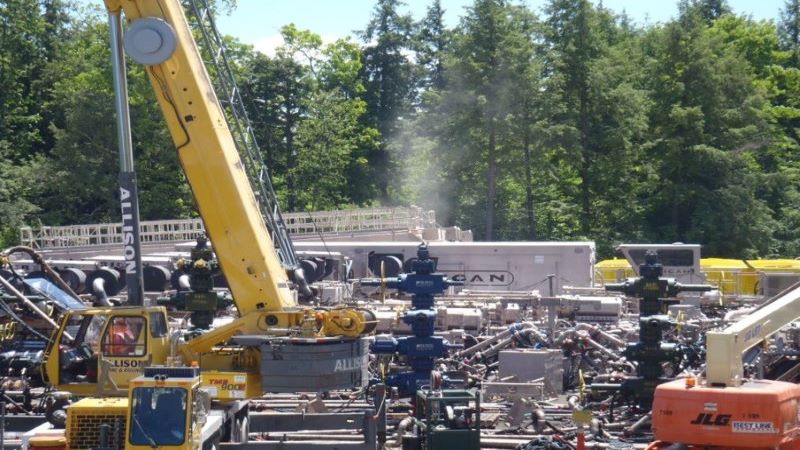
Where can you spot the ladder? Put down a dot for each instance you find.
(228, 94)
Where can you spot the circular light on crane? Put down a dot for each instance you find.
(150, 41)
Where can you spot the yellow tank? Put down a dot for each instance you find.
(731, 276)
(775, 265)
(612, 271)
(738, 277)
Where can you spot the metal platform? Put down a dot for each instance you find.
(299, 224)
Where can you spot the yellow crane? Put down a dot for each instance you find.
(101, 350)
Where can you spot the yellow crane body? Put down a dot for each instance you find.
(213, 167)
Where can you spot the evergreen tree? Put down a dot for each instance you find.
(598, 106)
(432, 43)
(23, 32)
(476, 142)
(707, 126)
(388, 79)
(84, 163)
(709, 10)
(27, 33)
(278, 89)
(308, 117)
(790, 29)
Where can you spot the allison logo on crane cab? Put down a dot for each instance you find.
(483, 277)
(127, 230)
(348, 364)
(127, 365)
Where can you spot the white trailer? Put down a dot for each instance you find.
(485, 266)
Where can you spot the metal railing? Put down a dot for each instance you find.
(320, 222)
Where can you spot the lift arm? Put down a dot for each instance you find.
(208, 154)
(725, 348)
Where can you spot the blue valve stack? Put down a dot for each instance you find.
(421, 349)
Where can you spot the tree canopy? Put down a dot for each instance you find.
(574, 123)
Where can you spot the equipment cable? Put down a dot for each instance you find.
(7, 309)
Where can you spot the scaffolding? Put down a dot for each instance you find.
(298, 224)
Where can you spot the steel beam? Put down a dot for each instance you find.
(20, 423)
(272, 422)
(299, 445)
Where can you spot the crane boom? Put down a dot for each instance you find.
(115, 342)
(725, 347)
(212, 164)
(224, 80)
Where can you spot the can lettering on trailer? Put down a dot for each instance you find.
(482, 277)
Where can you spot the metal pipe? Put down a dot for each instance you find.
(16, 404)
(486, 343)
(183, 282)
(99, 289)
(129, 196)
(348, 432)
(281, 436)
(405, 425)
(499, 345)
(493, 349)
(633, 429)
(596, 330)
(603, 349)
(342, 406)
(10, 287)
(509, 443)
(733, 316)
(379, 398)
(2, 425)
(606, 387)
(572, 401)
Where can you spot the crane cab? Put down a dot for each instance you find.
(167, 409)
(102, 349)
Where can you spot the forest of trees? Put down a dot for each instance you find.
(568, 123)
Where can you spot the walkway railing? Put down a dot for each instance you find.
(298, 224)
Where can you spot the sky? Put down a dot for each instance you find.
(258, 22)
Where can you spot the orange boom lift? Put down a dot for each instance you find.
(724, 410)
